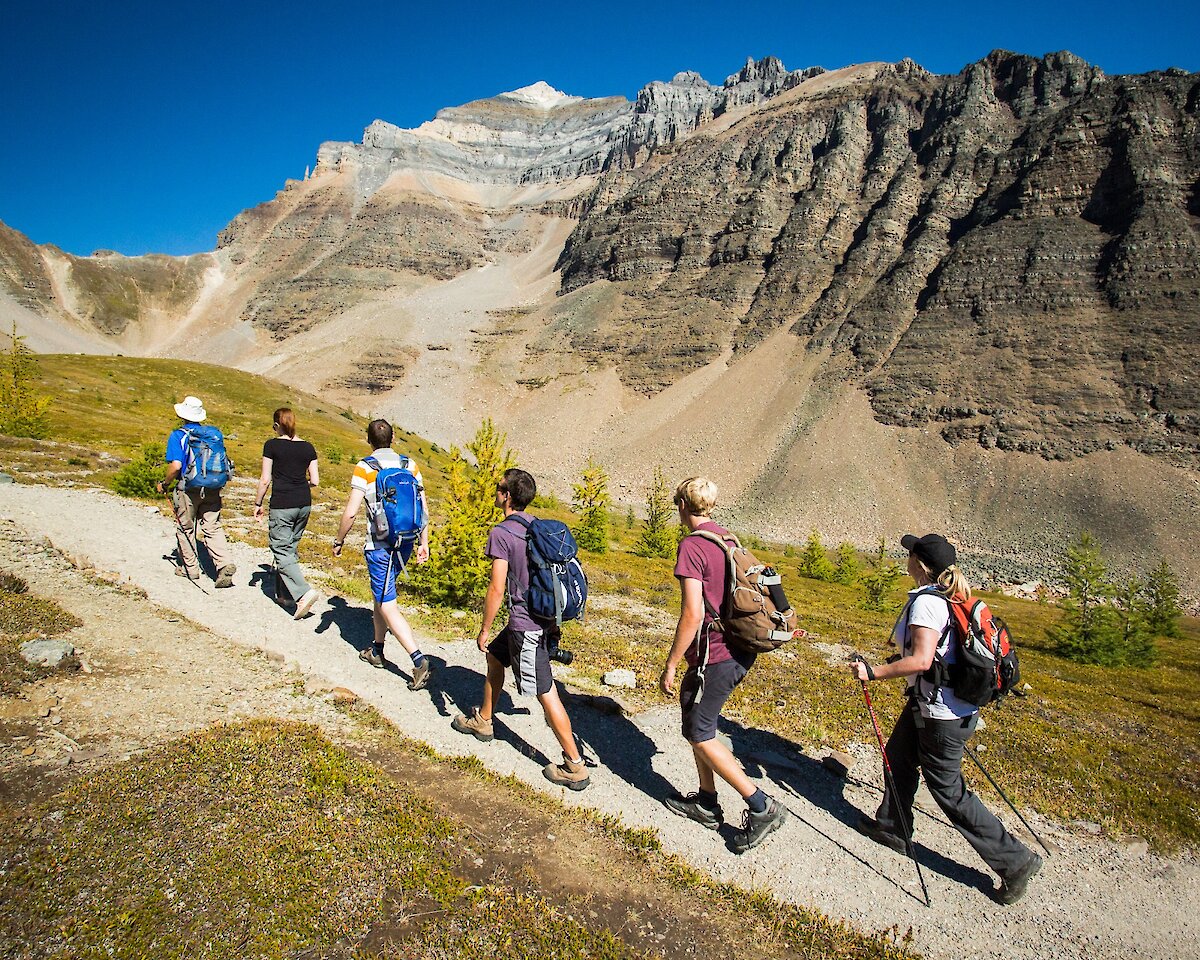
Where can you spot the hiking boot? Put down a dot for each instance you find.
(475, 725)
(182, 572)
(692, 808)
(372, 655)
(225, 575)
(307, 602)
(1013, 888)
(573, 776)
(756, 827)
(421, 675)
(869, 827)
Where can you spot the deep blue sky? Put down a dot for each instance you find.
(147, 126)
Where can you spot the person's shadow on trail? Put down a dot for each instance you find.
(272, 587)
(766, 754)
(608, 738)
(620, 746)
(203, 560)
(456, 689)
(356, 626)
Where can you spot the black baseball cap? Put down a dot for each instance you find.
(933, 550)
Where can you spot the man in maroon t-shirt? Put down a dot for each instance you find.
(713, 671)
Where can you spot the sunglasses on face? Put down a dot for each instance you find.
(501, 488)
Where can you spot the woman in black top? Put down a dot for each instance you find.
(289, 468)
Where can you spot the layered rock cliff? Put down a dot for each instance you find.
(1009, 254)
(877, 298)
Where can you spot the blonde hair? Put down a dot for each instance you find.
(952, 582)
(698, 494)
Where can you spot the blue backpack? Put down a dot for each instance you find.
(557, 584)
(206, 464)
(398, 514)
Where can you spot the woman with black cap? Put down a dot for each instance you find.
(933, 732)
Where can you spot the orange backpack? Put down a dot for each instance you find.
(986, 667)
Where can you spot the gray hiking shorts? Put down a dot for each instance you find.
(702, 705)
(525, 651)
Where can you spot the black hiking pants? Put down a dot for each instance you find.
(936, 747)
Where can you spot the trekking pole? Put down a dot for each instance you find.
(171, 506)
(996, 786)
(891, 785)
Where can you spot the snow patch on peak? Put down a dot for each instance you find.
(541, 94)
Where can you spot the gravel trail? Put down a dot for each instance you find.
(1095, 897)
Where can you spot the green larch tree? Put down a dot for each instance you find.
(1088, 631)
(1163, 609)
(845, 565)
(23, 411)
(589, 497)
(814, 561)
(458, 572)
(657, 539)
(880, 579)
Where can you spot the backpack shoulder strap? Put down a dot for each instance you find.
(931, 591)
(185, 444)
(730, 570)
(938, 659)
(722, 542)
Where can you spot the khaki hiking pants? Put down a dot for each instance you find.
(201, 507)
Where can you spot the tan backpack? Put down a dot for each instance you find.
(755, 616)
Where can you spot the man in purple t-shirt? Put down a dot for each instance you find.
(522, 643)
(714, 670)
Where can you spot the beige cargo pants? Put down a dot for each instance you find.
(199, 508)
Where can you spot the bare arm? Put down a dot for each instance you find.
(691, 615)
(492, 601)
(423, 546)
(348, 515)
(174, 469)
(314, 476)
(264, 481)
(924, 646)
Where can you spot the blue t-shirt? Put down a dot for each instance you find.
(176, 447)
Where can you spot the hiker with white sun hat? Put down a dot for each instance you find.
(196, 458)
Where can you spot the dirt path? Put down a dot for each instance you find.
(1095, 898)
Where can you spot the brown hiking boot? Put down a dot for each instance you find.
(421, 675)
(225, 575)
(569, 774)
(373, 655)
(475, 725)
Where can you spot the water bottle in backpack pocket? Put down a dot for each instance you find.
(398, 513)
(755, 616)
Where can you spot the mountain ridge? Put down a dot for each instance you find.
(997, 269)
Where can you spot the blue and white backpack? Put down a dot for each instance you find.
(398, 515)
(206, 463)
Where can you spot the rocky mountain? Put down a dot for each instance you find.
(1009, 255)
(875, 297)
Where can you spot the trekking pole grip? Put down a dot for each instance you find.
(859, 658)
